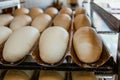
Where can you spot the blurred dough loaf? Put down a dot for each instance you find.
(81, 20)
(21, 11)
(41, 22)
(66, 11)
(80, 75)
(34, 12)
(52, 75)
(20, 21)
(53, 44)
(87, 45)
(18, 75)
(79, 10)
(4, 33)
(5, 19)
(20, 43)
(52, 11)
(62, 20)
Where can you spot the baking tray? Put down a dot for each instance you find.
(33, 77)
(68, 75)
(51, 73)
(5, 63)
(35, 53)
(109, 19)
(109, 67)
(105, 56)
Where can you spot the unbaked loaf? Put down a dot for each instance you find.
(52, 11)
(4, 33)
(66, 11)
(34, 12)
(74, 1)
(21, 11)
(81, 20)
(62, 20)
(51, 75)
(18, 75)
(80, 75)
(20, 21)
(53, 44)
(5, 19)
(79, 10)
(87, 45)
(20, 43)
(41, 22)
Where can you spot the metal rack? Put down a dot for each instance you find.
(112, 22)
(27, 65)
(114, 27)
(107, 68)
(9, 6)
(10, 3)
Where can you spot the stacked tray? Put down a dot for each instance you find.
(69, 61)
(45, 74)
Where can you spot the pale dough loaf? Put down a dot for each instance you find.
(21, 11)
(62, 20)
(79, 10)
(52, 11)
(4, 33)
(81, 20)
(18, 75)
(66, 11)
(5, 19)
(87, 45)
(20, 21)
(34, 12)
(53, 44)
(20, 43)
(52, 75)
(80, 75)
(41, 22)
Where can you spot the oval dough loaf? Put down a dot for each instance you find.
(80, 75)
(21, 11)
(20, 43)
(79, 10)
(34, 12)
(53, 44)
(41, 22)
(81, 20)
(66, 11)
(51, 11)
(20, 21)
(4, 33)
(52, 75)
(62, 20)
(74, 2)
(5, 19)
(87, 45)
(18, 75)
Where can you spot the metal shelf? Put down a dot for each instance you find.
(112, 22)
(107, 68)
(9, 3)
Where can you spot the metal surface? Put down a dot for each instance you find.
(114, 24)
(110, 20)
(108, 68)
(10, 3)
